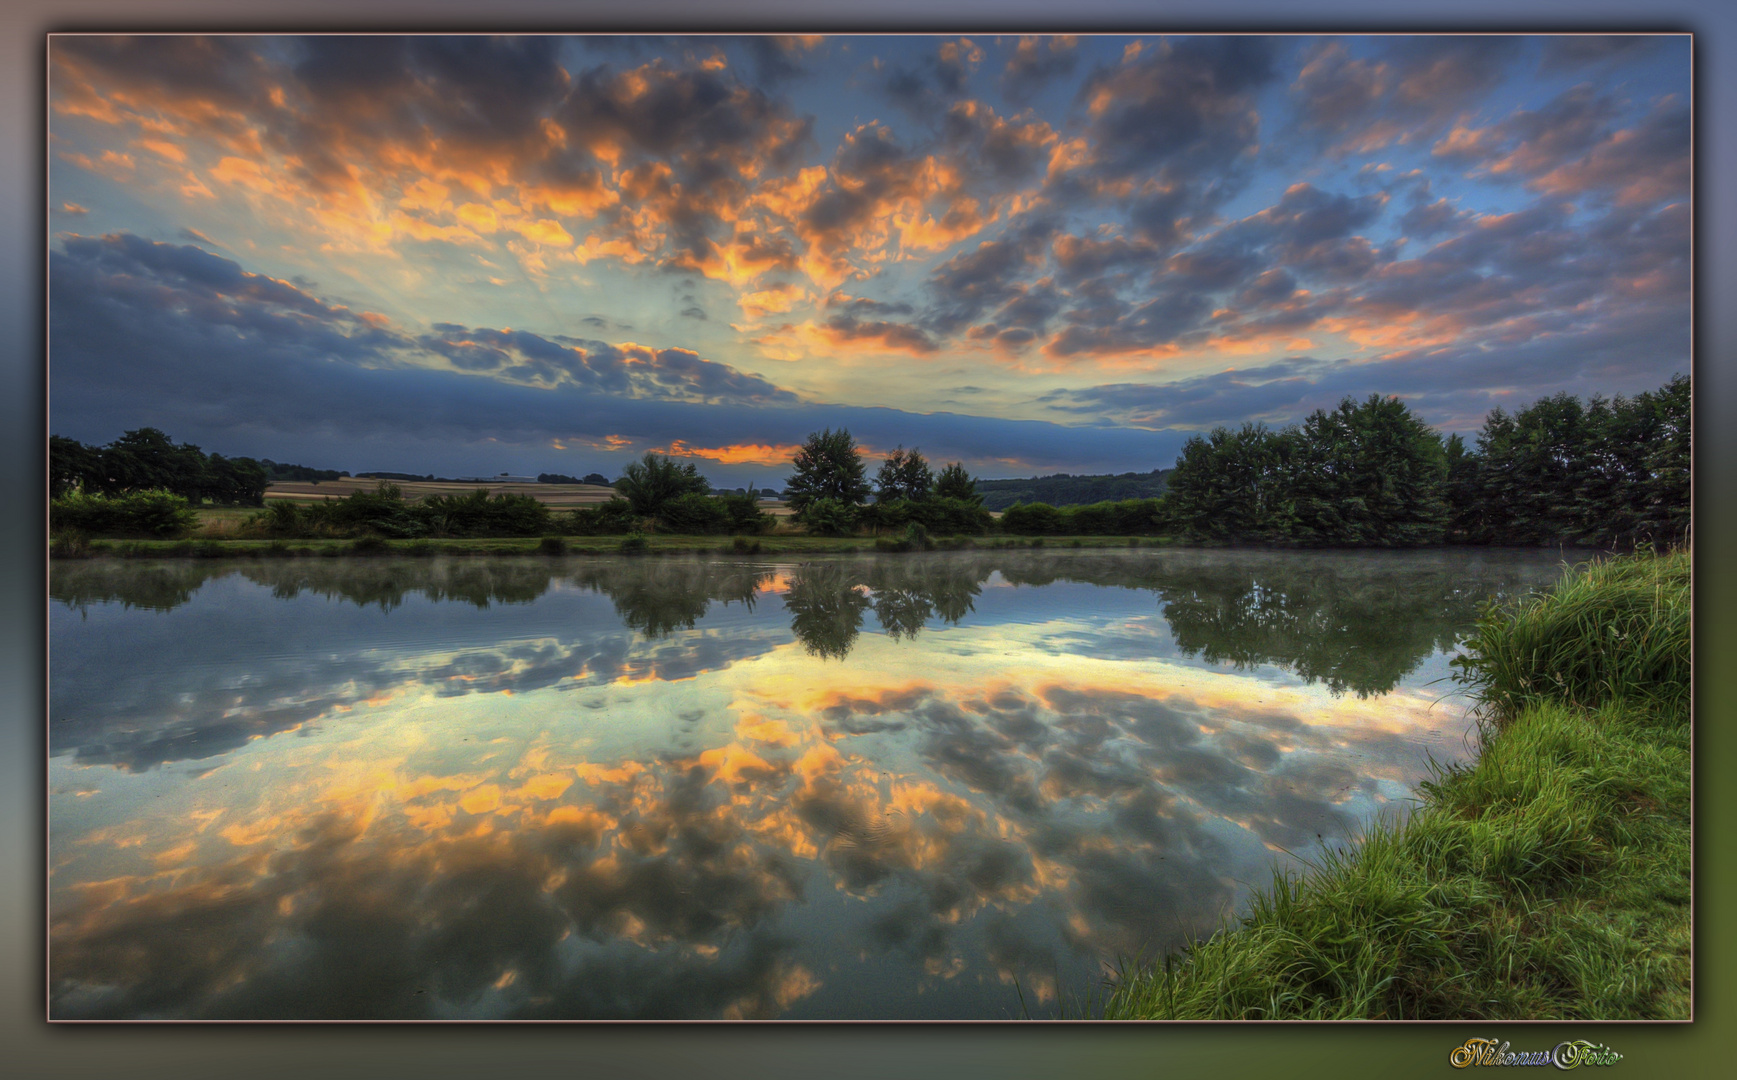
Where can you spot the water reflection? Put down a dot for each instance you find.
(648, 793)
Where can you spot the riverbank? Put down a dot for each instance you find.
(1549, 879)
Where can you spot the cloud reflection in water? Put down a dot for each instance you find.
(537, 806)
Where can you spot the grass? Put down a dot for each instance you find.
(1550, 879)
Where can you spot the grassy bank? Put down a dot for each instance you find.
(1550, 879)
(654, 544)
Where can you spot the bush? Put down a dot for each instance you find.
(1127, 517)
(635, 543)
(480, 514)
(612, 518)
(694, 514)
(916, 538)
(829, 517)
(381, 512)
(552, 545)
(745, 515)
(154, 513)
(1031, 519)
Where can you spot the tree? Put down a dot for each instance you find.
(954, 482)
(827, 467)
(651, 482)
(72, 464)
(904, 475)
(596, 478)
(1369, 473)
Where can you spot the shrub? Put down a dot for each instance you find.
(944, 514)
(635, 543)
(693, 513)
(482, 514)
(612, 518)
(829, 517)
(1031, 519)
(1127, 517)
(552, 545)
(154, 513)
(745, 515)
(381, 511)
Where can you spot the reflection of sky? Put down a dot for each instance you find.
(529, 810)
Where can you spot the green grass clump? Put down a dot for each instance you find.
(1550, 879)
(1617, 629)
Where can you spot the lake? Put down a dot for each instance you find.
(944, 786)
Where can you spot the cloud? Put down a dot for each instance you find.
(1572, 147)
(1036, 62)
(1402, 95)
(302, 378)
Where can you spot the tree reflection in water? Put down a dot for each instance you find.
(1356, 623)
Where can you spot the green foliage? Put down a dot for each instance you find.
(635, 543)
(744, 514)
(650, 483)
(692, 513)
(1031, 519)
(904, 475)
(827, 467)
(915, 538)
(277, 470)
(385, 512)
(1365, 474)
(953, 482)
(1369, 474)
(1608, 473)
(952, 516)
(1617, 629)
(149, 513)
(482, 514)
(830, 517)
(552, 545)
(1063, 489)
(148, 460)
(613, 517)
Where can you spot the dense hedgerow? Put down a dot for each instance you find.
(150, 513)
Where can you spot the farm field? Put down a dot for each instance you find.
(554, 496)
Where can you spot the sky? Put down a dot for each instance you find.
(468, 255)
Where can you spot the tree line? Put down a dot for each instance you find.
(1605, 473)
(148, 460)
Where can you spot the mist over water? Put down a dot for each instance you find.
(942, 786)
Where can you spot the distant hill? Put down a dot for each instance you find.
(1061, 489)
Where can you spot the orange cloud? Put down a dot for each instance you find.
(741, 454)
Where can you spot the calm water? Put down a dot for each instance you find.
(903, 787)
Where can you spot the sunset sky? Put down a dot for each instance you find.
(467, 255)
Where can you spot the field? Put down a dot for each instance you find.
(554, 496)
(224, 522)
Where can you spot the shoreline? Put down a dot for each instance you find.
(1549, 879)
